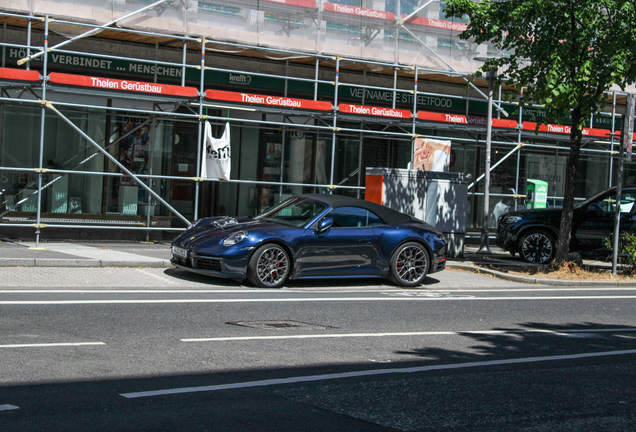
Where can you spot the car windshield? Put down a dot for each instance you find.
(295, 212)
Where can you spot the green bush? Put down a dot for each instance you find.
(626, 251)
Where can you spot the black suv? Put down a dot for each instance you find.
(533, 233)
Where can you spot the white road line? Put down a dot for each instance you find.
(47, 345)
(317, 299)
(299, 291)
(439, 333)
(7, 407)
(375, 372)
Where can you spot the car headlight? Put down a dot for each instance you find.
(235, 238)
(511, 219)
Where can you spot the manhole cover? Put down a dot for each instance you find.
(278, 324)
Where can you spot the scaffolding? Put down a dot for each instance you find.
(24, 86)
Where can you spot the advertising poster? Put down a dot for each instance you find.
(431, 155)
(134, 146)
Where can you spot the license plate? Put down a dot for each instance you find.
(180, 252)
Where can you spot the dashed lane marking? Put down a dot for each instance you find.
(7, 407)
(48, 345)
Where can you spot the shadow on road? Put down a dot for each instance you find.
(567, 394)
(185, 275)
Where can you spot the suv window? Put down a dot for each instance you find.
(608, 204)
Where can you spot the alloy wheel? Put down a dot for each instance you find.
(537, 248)
(411, 264)
(272, 266)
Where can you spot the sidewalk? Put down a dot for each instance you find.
(157, 255)
(84, 254)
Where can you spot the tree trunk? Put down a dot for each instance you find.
(565, 229)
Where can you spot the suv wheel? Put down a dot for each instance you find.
(537, 247)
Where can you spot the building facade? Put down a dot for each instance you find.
(102, 115)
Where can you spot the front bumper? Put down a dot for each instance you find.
(211, 266)
(506, 238)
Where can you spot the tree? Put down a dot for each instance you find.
(564, 54)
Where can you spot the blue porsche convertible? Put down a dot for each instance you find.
(313, 236)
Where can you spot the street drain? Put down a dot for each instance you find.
(279, 324)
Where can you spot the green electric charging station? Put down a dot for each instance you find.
(536, 194)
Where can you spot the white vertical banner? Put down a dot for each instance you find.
(216, 160)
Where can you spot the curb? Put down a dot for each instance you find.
(537, 281)
(51, 262)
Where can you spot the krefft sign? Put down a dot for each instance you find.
(374, 111)
(117, 84)
(274, 101)
(358, 11)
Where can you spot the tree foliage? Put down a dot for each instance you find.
(564, 54)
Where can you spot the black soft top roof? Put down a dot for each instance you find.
(390, 216)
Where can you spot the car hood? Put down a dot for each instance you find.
(213, 230)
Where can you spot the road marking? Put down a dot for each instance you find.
(316, 299)
(163, 279)
(8, 407)
(46, 345)
(374, 372)
(298, 291)
(567, 333)
(453, 294)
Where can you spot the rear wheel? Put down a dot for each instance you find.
(268, 267)
(537, 247)
(409, 265)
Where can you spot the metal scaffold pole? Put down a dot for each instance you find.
(335, 122)
(38, 218)
(200, 142)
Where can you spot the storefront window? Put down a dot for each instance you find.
(64, 149)
(143, 149)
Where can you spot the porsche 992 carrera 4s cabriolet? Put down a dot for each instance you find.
(313, 236)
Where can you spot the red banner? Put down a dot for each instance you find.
(467, 120)
(374, 111)
(19, 74)
(125, 85)
(301, 3)
(565, 129)
(274, 101)
(430, 22)
(358, 11)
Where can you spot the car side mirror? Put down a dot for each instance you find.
(324, 224)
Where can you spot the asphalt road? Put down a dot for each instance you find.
(161, 350)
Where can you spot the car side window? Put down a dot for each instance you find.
(354, 217)
(374, 220)
(608, 203)
(627, 202)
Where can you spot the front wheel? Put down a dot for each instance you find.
(409, 265)
(268, 267)
(537, 247)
